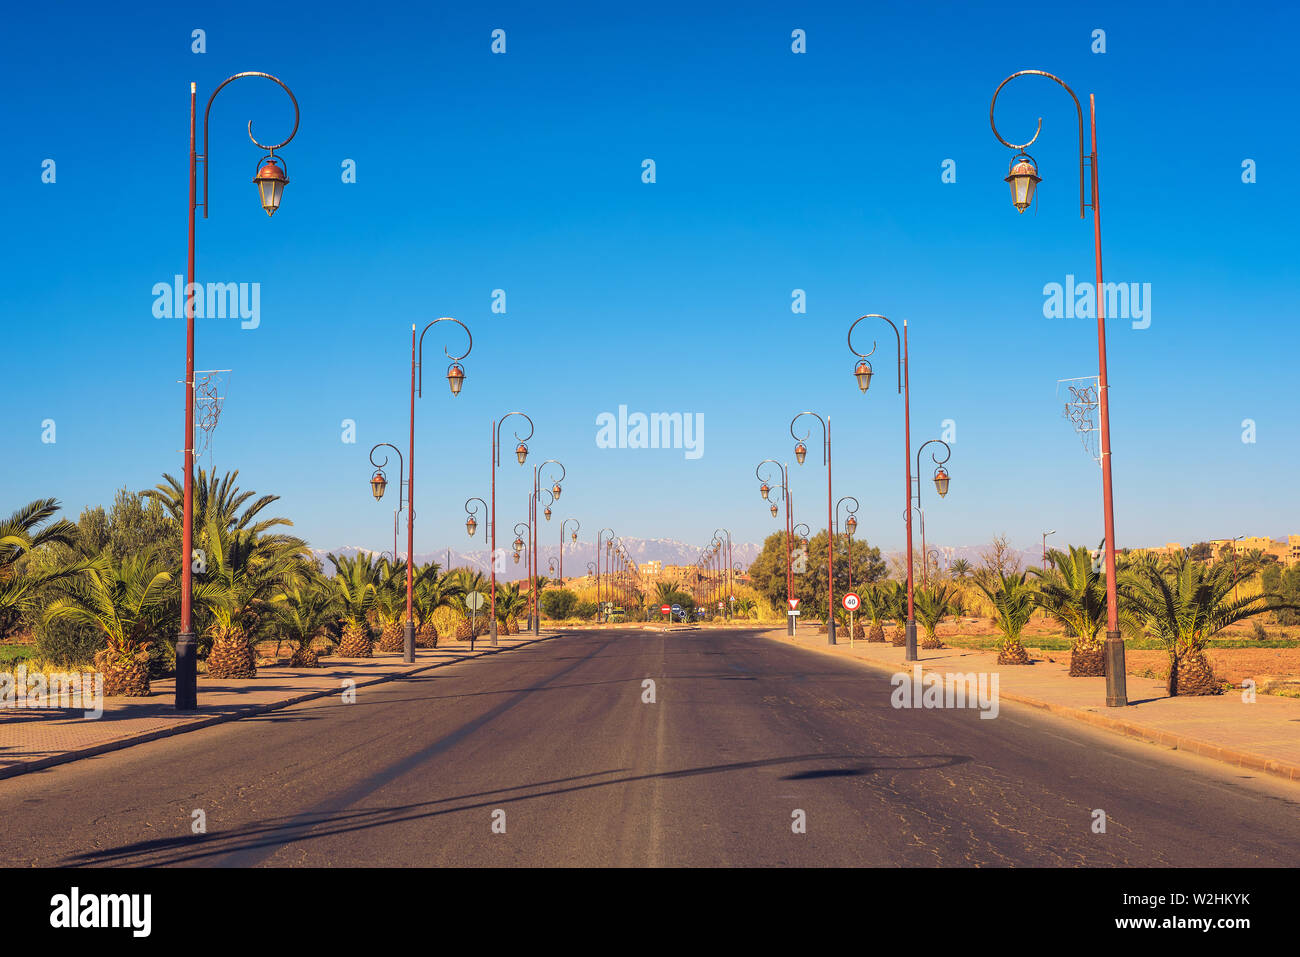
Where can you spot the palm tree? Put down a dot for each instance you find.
(1012, 598)
(215, 498)
(931, 605)
(246, 571)
(1072, 593)
(433, 591)
(1185, 607)
(893, 605)
(745, 608)
(21, 534)
(355, 583)
(511, 603)
(875, 605)
(127, 602)
(960, 568)
(390, 605)
(305, 611)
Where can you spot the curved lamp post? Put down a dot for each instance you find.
(1023, 179)
(524, 547)
(471, 517)
(535, 613)
(850, 526)
(378, 483)
(455, 379)
(941, 479)
(730, 585)
(862, 372)
(765, 490)
(577, 527)
(800, 453)
(271, 180)
(521, 453)
(599, 609)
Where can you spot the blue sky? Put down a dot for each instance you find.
(775, 171)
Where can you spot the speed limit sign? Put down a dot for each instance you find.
(852, 602)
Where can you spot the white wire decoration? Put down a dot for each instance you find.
(209, 399)
(1081, 404)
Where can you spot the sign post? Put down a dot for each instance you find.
(851, 603)
(793, 614)
(474, 601)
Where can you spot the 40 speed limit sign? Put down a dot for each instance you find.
(852, 602)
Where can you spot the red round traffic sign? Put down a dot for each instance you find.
(665, 609)
(851, 601)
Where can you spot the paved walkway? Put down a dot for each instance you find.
(1263, 735)
(31, 739)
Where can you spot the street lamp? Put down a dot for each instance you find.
(525, 548)
(941, 479)
(904, 389)
(271, 181)
(471, 520)
(1023, 179)
(379, 483)
(599, 609)
(417, 389)
(535, 611)
(577, 526)
(800, 452)
(1045, 534)
(730, 583)
(521, 453)
(850, 526)
(765, 490)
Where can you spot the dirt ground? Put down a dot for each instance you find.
(1230, 664)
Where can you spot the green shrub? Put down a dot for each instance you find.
(559, 603)
(585, 610)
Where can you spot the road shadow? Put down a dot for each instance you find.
(251, 844)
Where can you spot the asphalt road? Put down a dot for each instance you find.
(555, 741)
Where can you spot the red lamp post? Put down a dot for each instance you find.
(521, 454)
(765, 490)
(800, 453)
(862, 372)
(599, 609)
(850, 526)
(379, 482)
(730, 583)
(455, 379)
(1023, 178)
(535, 614)
(941, 480)
(271, 180)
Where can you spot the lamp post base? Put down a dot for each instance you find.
(910, 654)
(789, 626)
(408, 643)
(492, 630)
(830, 630)
(187, 672)
(1116, 679)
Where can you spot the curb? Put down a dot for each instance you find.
(1242, 759)
(119, 744)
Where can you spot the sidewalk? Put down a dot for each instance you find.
(41, 738)
(1262, 736)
